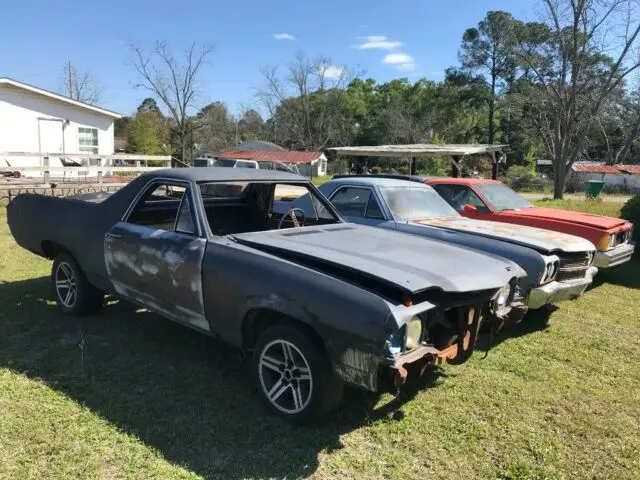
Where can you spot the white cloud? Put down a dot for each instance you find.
(331, 71)
(377, 42)
(400, 60)
(283, 36)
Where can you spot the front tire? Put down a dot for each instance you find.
(73, 292)
(294, 377)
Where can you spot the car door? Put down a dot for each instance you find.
(154, 254)
(359, 204)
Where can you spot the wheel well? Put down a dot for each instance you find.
(257, 321)
(51, 249)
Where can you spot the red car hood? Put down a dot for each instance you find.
(569, 216)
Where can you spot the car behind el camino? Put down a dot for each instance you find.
(559, 266)
(484, 199)
(319, 306)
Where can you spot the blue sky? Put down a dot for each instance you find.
(416, 37)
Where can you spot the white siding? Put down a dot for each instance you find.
(20, 112)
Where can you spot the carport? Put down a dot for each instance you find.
(456, 152)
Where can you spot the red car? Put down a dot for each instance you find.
(491, 200)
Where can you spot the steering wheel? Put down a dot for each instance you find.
(292, 214)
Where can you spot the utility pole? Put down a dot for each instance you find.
(69, 80)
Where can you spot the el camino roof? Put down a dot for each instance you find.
(375, 180)
(224, 174)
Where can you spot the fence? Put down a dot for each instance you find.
(46, 166)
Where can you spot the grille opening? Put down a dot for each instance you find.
(573, 265)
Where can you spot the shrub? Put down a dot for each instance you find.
(521, 178)
(631, 212)
(376, 170)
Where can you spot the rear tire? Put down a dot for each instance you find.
(73, 292)
(293, 376)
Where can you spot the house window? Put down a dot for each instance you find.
(87, 140)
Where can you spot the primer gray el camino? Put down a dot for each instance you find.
(523, 245)
(220, 284)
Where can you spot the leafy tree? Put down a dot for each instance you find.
(216, 128)
(148, 131)
(490, 49)
(149, 105)
(571, 80)
(251, 125)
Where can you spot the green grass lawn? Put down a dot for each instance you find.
(317, 181)
(597, 207)
(126, 394)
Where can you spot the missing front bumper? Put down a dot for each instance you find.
(417, 360)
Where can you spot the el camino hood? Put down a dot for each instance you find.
(537, 238)
(586, 219)
(407, 262)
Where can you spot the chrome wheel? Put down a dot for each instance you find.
(66, 286)
(285, 376)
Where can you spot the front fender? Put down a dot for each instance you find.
(353, 323)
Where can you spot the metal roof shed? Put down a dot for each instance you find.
(457, 152)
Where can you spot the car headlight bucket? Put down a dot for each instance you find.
(413, 333)
(606, 242)
(503, 296)
(550, 270)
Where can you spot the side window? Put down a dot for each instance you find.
(454, 195)
(161, 208)
(351, 201)
(373, 209)
(474, 199)
(185, 222)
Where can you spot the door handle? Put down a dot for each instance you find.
(112, 235)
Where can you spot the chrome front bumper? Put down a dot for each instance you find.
(615, 256)
(555, 292)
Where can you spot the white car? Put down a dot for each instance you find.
(224, 162)
(237, 163)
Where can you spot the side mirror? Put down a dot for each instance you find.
(470, 209)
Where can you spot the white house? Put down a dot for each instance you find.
(36, 120)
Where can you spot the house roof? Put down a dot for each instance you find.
(270, 156)
(258, 145)
(632, 169)
(419, 149)
(57, 97)
(594, 167)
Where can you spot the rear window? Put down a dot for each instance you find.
(223, 162)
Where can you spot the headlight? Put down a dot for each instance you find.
(606, 242)
(503, 296)
(551, 267)
(413, 333)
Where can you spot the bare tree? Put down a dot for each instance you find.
(173, 82)
(575, 78)
(80, 86)
(306, 105)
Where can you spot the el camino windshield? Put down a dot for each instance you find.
(412, 203)
(502, 197)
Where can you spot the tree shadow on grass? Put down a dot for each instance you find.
(625, 275)
(177, 390)
(534, 321)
